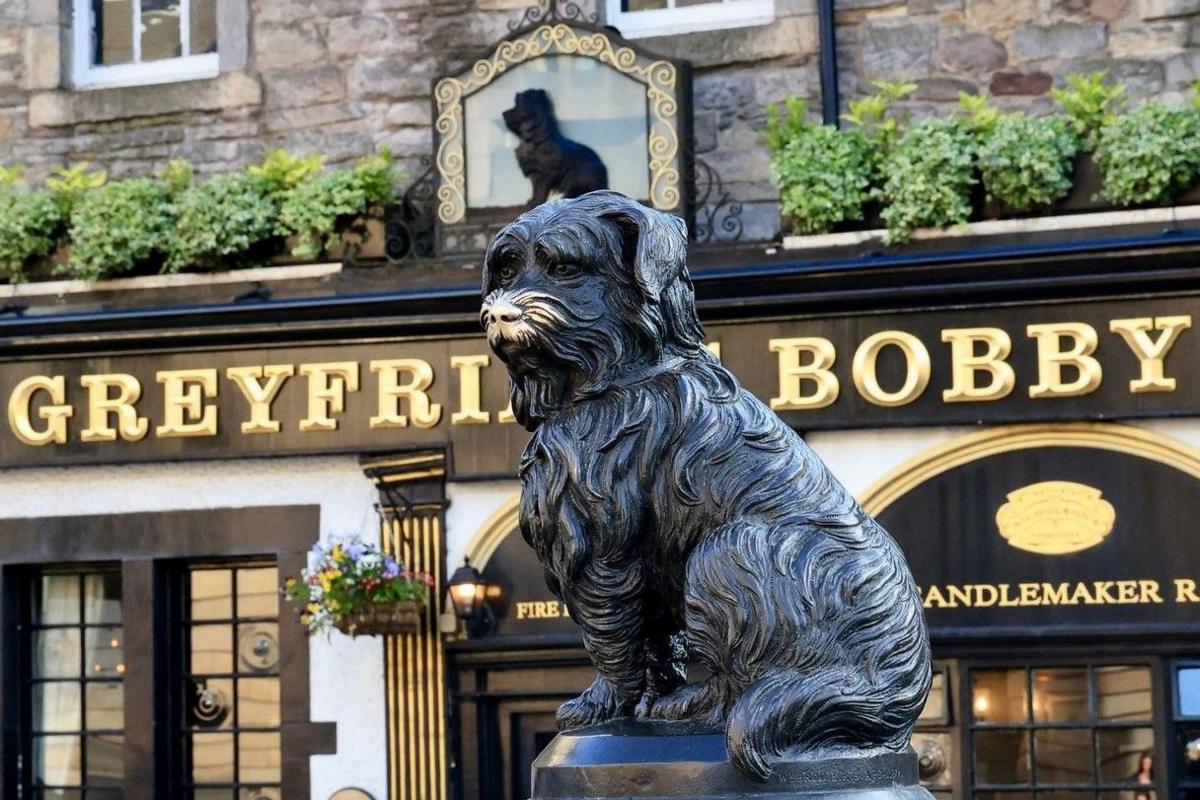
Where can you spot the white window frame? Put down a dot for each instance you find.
(86, 75)
(715, 15)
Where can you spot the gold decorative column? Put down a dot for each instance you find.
(411, 508)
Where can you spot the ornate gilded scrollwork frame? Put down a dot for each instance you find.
(668, 94)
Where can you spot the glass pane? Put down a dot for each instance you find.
(212, 649)
(1003, 796)
(1130, 794)
(210, 703)
(56, 760)
(212, 794)
(258, 592)
(1063, 756)
(258, 703)
(999, 695)
(1122, 753)
(258, 647)
(160, 30)
(114, 24)
(102, 598)
(105, 765)
(56, 707)
(1123, 693)
(1060, 695)
(59, 600)
(644, 5)
(105, 706)
(1189, 691)
(204, 26)
(1001, 757)
(935, 704)
(104, 652)
(258, 757)
(56, 653)
(609, 118)
(260, 794)
(212, 757)
(1061, 794)
(212, 594)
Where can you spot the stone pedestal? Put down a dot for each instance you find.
(678, 760)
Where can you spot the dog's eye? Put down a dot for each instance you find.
(507, 272)
(565, 270)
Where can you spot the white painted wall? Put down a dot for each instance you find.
(346, 675)
(470, 506)
(860, 458)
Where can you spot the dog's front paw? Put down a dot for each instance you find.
(599, 703)
(701, 702)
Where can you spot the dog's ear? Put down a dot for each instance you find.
(654, 245)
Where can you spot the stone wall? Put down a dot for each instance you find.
(346, 77)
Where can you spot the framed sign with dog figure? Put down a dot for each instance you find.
(558, 109)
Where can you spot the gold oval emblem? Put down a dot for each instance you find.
(1055, 517)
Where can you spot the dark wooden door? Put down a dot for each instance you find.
(503, 707)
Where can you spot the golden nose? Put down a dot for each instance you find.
(503, 313)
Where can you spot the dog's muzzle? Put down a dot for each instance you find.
(503, 321)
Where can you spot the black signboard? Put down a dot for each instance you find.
(1080, 361)
(1097, 534)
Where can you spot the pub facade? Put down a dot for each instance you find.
(1015, 400)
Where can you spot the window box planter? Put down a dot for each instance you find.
(383, 619)
(364, 240)
(1106, 223)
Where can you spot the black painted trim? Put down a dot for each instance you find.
(738, 284)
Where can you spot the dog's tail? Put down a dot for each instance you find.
(828, 640)
(790, 710)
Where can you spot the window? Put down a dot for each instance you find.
(933, 740)
(639, 18)
(231, 737)
(76, 691)
(1063, 732)
(134, 634)
(135, 42)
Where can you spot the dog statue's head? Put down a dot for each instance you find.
(531, 116)
(583, 294)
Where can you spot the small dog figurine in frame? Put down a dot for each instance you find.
(551, 161)
(678, 517)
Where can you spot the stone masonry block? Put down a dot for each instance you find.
(1062, 40)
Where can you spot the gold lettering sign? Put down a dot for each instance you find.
(1055, 517)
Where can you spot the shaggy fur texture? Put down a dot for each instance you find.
(677, 517)
(551, 161)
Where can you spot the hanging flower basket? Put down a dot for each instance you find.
(355, 588)
(383, 619)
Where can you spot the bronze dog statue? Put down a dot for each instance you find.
(677, 517)
(551, 161)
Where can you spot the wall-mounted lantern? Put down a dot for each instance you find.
(469, 592)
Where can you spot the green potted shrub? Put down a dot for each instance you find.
(120, 228)
(340, 214)
(1089, 103)
(228, 221)
(929, 179)
(32, 223)
(1026, 163)
(1149, 156)
(823, 174)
